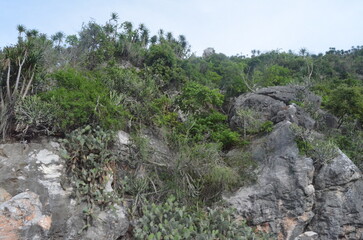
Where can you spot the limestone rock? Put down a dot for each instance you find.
(308, 236)
(339, 200)
(4, 195)
(22, 217)
(34, 173)
(276, 104)
(282, 199)
(293, 193)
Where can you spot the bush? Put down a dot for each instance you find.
(161, 54)
(83, 101)
(34, 116)
(212, 127)
(172, 221)
(197, 98)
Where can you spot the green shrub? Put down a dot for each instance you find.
(34, 116)
(161, 54)
(172, 221)
(82, 101)
(163, 112)
(197, 98)
(138, 85)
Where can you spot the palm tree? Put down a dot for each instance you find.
(21, 29)
(169, 36)
(153, 39)
(161, 34)
(59, 36)
(114, 18)
(32, 33)
(303, 52)
(182, 41)
(144, 34)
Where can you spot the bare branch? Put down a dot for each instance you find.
(19, 72)
(29, 84)
(8, 80)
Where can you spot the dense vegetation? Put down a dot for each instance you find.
(117, 77)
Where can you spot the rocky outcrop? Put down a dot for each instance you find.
(34, 204)
(293, 194)
(277, 104)
(282, 200)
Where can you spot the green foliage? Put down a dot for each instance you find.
(163, 114)
(277, 75)
(34, 116)
(90, 164)
(133, 84)
(197, 98)
(197, 172)
(212, 127)
(84, 101)
(89, 161)
(161, 54)
(172, 221)
(267, 127)
(346, 102)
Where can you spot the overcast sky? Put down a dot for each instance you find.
(229, 26)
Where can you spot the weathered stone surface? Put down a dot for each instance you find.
(276, 104)
(287, 94)
(4, 195)
(293, 193)
(339, 200)
(338, 172)
(283, 197)
(308, 236)
(36, 170)
(326, 120)
(108, 224)
(160, 152)
(22, 217)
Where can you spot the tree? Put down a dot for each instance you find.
(20, 63)
(346, 102)
(21, 29)
(58, 37)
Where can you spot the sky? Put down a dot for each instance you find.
(229, 26)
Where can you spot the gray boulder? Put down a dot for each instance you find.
(22, 217)
(33, 173)
(294, 194)
(276, 104)
(339, 200)
(282, 199)
(290, 93)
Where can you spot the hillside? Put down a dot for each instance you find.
(179, 146)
